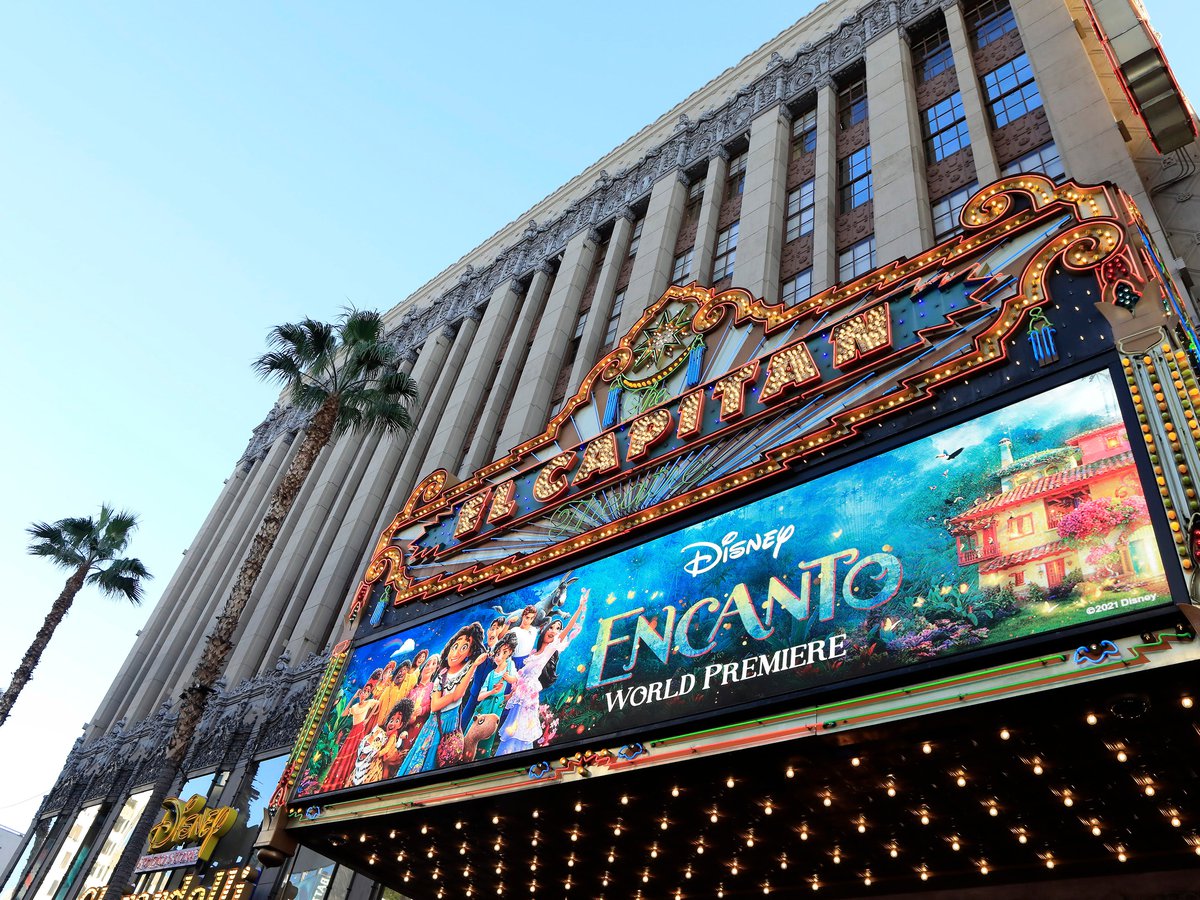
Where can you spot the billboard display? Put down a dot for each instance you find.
(1022, 522)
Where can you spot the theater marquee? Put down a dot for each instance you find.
(748, 503)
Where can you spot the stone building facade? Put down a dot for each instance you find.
(851, 139)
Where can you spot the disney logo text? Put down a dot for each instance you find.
(708, 556)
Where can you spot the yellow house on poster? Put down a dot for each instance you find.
(1014, 537)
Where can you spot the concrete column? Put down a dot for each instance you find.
(979, 126)
(284, 564)
(903, 220)
(1080, 116)
(225, 580)
(434, 418)
(480, 453)
(825, 189)
(196, 604)
(531, 400)
(592, 338)
(710, 213)
(358, 531)
(760, 234)
(656, 253)
(475, 381)
(165, 612)
(462, 402)
(322, 555)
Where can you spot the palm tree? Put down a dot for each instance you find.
(90, 549)
(346, 375)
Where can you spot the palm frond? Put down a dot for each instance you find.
(278, 366)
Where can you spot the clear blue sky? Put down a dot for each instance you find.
(178, 179)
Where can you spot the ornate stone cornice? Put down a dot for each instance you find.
(692, 140)
(259, 715)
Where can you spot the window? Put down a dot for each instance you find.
(854, 179)
(1044, 159)
(726, 252)
(1020, 526)
(614, 317)
(737, 174)
(694, 201)
(857, 260)
(944, 127)
(946, 210)
(852, 103)
(804, 134)
(683, 265)
(931, 54)
(579, 324)
(798, 288)
(988, 20)
(1011, 91)
(800, 204)
(636, 238)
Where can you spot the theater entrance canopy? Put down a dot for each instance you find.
(887, 587)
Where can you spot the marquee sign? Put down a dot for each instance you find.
(948, 544)
(713, 392)
(191, 822)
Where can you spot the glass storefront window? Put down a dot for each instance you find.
(18, 879)
(114, 845)
(71, 855)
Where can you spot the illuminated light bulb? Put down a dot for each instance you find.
(1149, 790)
(362, 838)
(791, 773)
(983, 869)
(961, 781)
(893, 853)
(496, 846)
(766, 887)
(1068, 801)
(1023, 838)
(1091, 719)
(535, 813)
(721, 891)
(924, 875)
(578, 806)
(828, 801)
(816, 885)
(993, 810)
(924, 818)
(837, 856)
(675, 791)
(617, 830)
(856, 761)
(1121, 756)
(768, 808)
(495, 820)
(700, 846)
(783, 861)
(1121, 857)
(926, 747)
(712, 817)
(624, 800)
(1005, 734)
(955, 845)
(729, 782)
(1037, 769)
(867, 880)
(458, 825)
(1049, 863)
(611, 856)
(804, 833)
(862, 827)
(1175, 822)
(891, 790)
(1096, 830)
(687, 873)
(1186, 702)
(392, 833)
(663, 824)
(750, 841)
(733, 868)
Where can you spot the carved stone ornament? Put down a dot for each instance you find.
(784, 80)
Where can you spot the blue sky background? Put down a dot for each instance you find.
(178, 179)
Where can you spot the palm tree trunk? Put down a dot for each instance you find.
(219, 642)
(34, 654)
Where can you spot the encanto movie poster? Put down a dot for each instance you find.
(1021, 522)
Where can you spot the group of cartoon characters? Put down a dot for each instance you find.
(480, 697)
